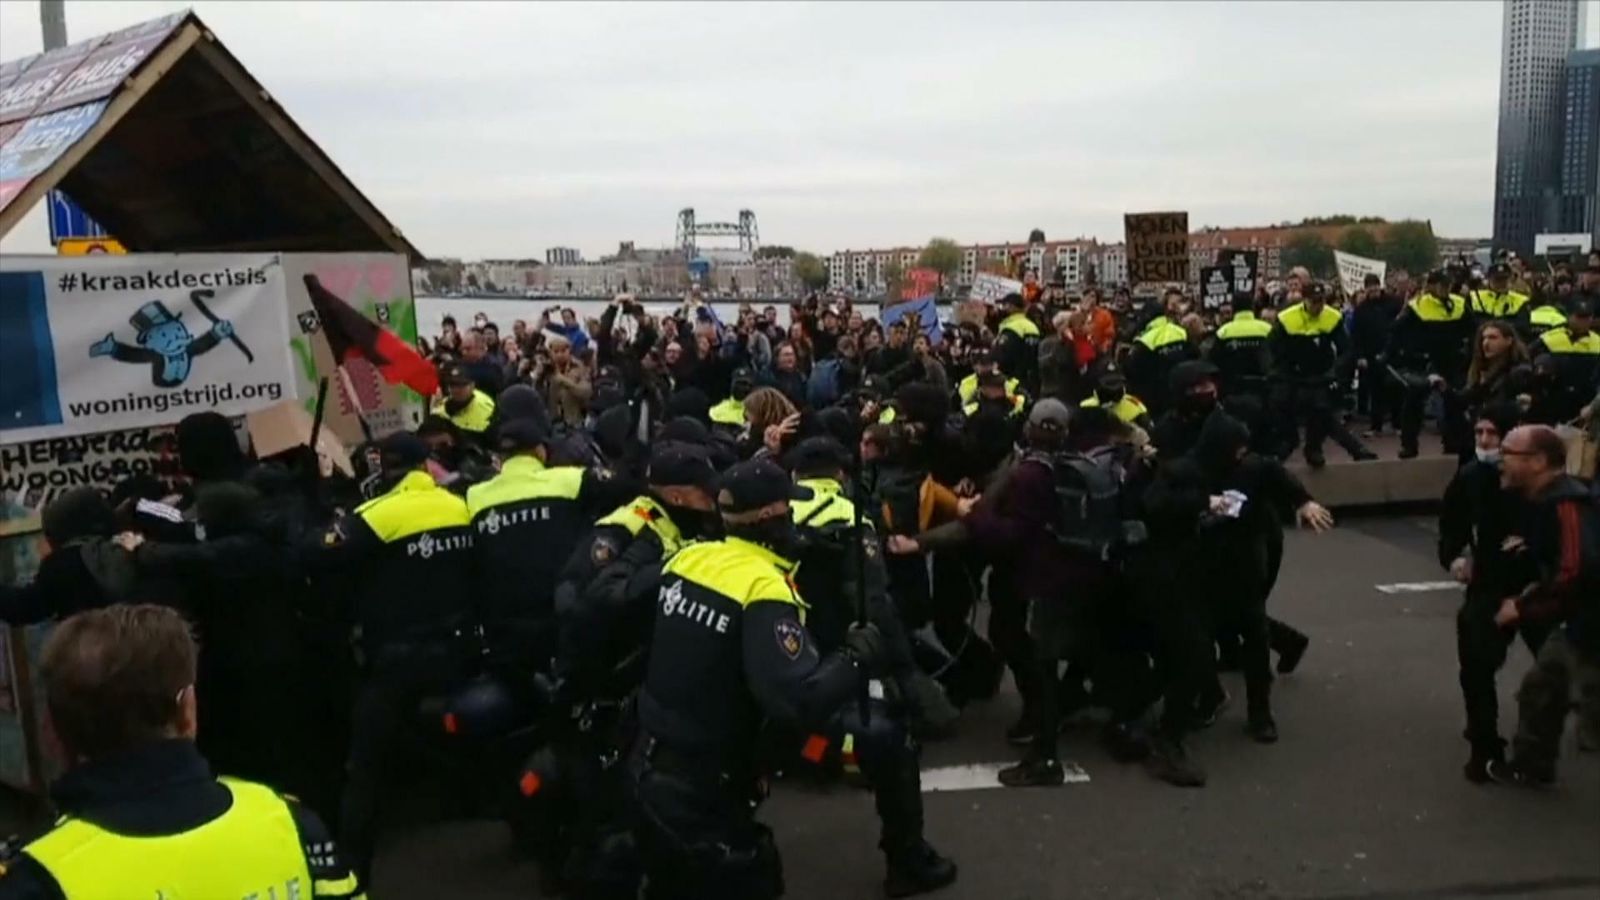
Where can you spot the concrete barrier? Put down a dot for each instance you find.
(1388, 479)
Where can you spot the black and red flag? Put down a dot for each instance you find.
(353, 336)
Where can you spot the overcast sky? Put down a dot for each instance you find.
(503, 129)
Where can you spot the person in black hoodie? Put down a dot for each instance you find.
(85, 568)
(242, 585)
(1248, 495)
(1375, 312)
(1477, 517)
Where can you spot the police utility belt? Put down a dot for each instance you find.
(701, 767)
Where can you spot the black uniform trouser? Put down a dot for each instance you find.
(1414, 403)
(1312, 405)
(604, 861)
(1481, 648)
(386, 709)
(697, 833)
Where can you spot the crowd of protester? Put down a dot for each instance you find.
(1103, 470)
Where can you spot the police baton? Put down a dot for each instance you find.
(859, 531)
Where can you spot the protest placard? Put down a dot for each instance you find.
(1243, 268)
(1354, 269)
(920, 283)
(1216, 287)
(1158, 247)
(989, 288)
(97, 343)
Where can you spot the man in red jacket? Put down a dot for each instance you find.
(1562, 538)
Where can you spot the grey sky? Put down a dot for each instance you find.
(503, 129)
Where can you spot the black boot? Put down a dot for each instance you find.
(917, 869)
(1035, 771)
(1261, 728)
(1170, 762)
(1478, 766)
(1289, 656)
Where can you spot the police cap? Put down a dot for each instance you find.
(403, 450)
(1499, 270)
(1011, 300)
(453, 375)
(744, 375)
(522, 434)
(1112, 380)
(747, 490)
(991, 379)
(676, 463)
(1437, 276)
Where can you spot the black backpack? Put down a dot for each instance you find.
(1088, 517)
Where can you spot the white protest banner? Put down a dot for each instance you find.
(100, 343)
(989, 288)
(1353, 270)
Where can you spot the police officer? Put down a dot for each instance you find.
(141, 813)
(1308, 345)
(462, 403)
(1539, 315)
(1162, 345)
(995, 391)
(1240, 352)
(1111, 392)
(604, 608)
(986, 364)
(729, 651)
(410, 550)
(528, 505)
(827, 572)
(1428, 352)
(728, 416)
(1498, 300)
(1576, 348)
(1016, 342)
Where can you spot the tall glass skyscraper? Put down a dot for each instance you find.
(1537, 38)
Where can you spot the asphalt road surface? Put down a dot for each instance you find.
(1362, 798)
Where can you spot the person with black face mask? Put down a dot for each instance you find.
(1193, 388)
(1247, 495)
(729, 657)
(1477, 517)
(604, 604)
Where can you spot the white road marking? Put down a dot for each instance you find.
(1417, 587)
(982, 776)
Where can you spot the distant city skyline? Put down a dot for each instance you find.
(506, 130)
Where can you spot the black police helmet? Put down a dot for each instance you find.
(483, 708)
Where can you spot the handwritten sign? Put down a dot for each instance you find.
(1243, 268)
(989, 288)
(1158, 247)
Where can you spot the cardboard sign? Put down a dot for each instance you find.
(1216, 287)
(1243, 268)
(287, 425)
(1158, 247)
(33, 474)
